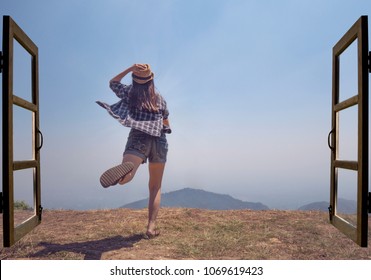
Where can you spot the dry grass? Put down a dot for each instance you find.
(186, 234)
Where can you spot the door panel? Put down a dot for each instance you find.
(20, 159)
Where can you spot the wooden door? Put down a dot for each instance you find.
(355, 227)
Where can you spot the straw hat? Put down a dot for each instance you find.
(144, 75)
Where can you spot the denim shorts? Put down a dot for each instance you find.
(146, 146)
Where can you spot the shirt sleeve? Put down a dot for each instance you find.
(165, 111)
(120, 89)
(165, 114)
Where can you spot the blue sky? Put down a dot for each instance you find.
(248, 85)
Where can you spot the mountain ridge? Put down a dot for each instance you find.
(197, 198)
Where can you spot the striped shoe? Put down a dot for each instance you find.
(113, 175)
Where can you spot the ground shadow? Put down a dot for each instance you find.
(92, 250)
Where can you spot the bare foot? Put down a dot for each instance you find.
(153, 234)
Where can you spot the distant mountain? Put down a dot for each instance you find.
(321, 206)
(345, 206)
(193, 198)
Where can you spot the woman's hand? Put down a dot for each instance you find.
(139, 67)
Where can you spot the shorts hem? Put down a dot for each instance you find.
(135, 153)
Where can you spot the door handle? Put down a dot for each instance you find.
(41, 139)
(329, 140)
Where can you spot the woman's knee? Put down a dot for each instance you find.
(154, 186)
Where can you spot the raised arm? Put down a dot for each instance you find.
(121, 75)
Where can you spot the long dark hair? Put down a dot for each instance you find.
(143, 96)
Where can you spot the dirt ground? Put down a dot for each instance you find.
(186, 234)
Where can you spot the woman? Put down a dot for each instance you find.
(144, 110)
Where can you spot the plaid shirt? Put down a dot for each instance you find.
(143, 120)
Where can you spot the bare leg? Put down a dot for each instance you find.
(137, 161)
(156, 171)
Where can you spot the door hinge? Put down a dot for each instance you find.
(369, 202)
(1, 62)
(40, 212)
(330, 212)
